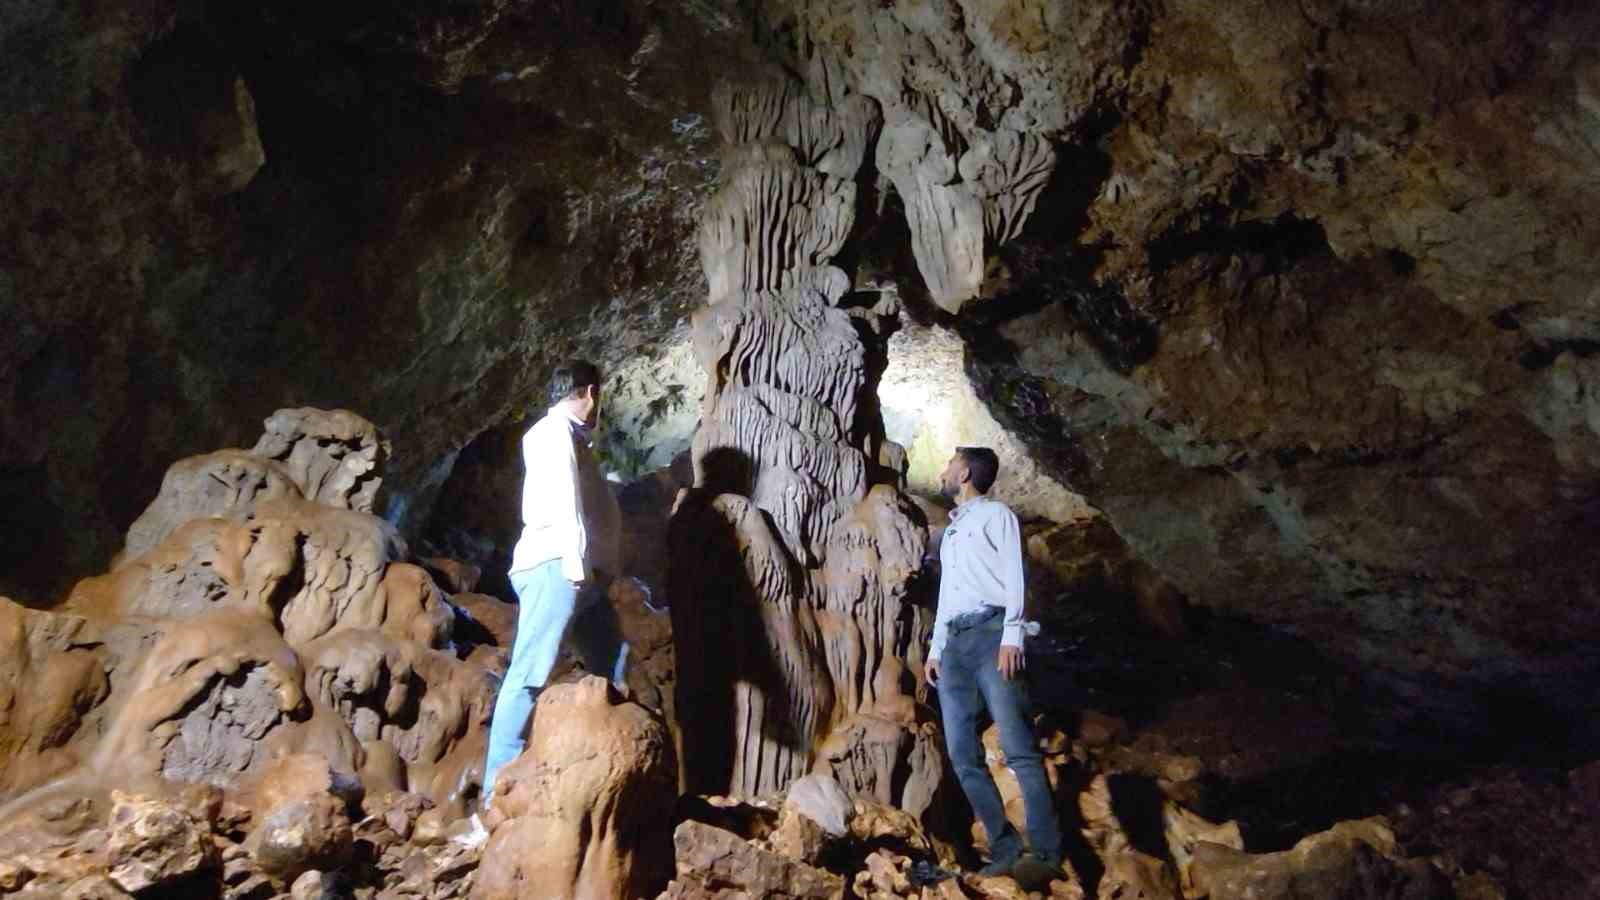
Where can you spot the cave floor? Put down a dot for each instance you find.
(1292, 744)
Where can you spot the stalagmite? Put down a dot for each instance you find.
(793, 552)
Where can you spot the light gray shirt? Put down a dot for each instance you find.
(980, 561)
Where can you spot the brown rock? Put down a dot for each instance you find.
(948, 889)
(1097, 729)
(13, 875)
(453, 575)
(497, 618)
(301, 807)
(1352, 859)
(875, 821)
(309, 886)
(798, 836)
(153, 843)
(226, 484)
(50, 677)
(823, 801)
(1186, 830)
(335, 456)
(785, 472)
(581, 812)
(1131, 875)
(884, 878)
(94, 887)
(716, 863)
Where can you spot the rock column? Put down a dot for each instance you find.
(794, 551)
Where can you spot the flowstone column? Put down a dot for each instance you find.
(793, 554)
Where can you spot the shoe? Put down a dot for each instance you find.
(926, 874)
(1034, 872)
(1000, 866)
(474, 835)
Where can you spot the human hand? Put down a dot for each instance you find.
(1010, 662)
(931, 672)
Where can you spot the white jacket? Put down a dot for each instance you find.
(568, 511)
(980, 563)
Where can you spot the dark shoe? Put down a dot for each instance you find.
(999, 866)
(926, 874)
(1034, 872)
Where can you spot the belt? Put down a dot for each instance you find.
(969, 620)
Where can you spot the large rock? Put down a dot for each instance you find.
(1352, 859)
(580, 814)
(50, 677)
(301, 818)
(152, 844)
(719, 865)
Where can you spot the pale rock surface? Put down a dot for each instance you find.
(930, 408)
(152, 843)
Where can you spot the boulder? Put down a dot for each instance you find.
(712, 863)
(302, 807)
(582, 812)
(1352, 859)
(823, 801)
(152, 843)
(1131, 875)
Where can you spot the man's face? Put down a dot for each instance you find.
(950, 480)
(589, 405)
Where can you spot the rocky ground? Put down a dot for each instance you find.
(264, 699)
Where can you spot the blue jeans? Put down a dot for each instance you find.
(548, 609)
(969, 681)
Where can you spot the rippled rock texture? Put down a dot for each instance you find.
(793, 553)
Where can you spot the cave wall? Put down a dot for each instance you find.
(1303, 301)
(210, 211)
(1307, 307)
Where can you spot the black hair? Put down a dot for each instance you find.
(983, 466)
(571, 377)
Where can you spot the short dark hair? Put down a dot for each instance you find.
(983, 466)
(571, 377)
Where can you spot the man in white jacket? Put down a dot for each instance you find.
(563, 564)
(976, 660)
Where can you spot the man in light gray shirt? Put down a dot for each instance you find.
(976, 660)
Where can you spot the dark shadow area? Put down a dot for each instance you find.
(720, 636)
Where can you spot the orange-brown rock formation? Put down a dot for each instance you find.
(584, 812)
(261, 637)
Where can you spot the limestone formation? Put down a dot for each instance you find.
(272, 652)
(792, 553)
(582, 813)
